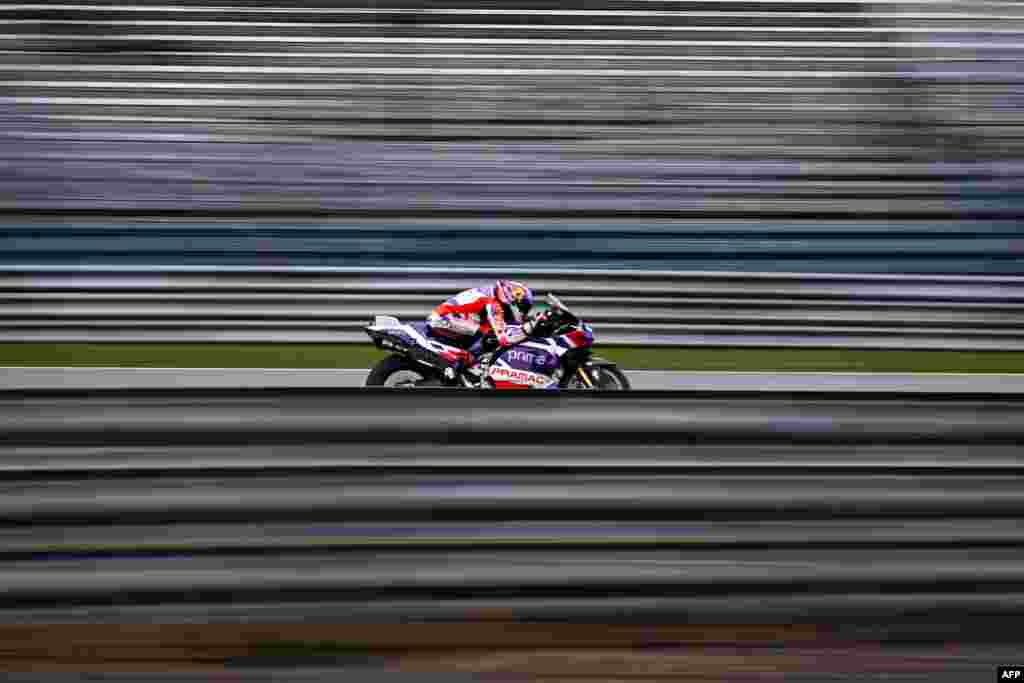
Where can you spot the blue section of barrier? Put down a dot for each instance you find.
(952, 247)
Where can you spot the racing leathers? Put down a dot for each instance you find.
(471, 316)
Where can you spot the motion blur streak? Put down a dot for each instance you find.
(375, 529)
(830, 118)
(789, 175)
(643, 307)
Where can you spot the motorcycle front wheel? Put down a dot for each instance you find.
(602, 377)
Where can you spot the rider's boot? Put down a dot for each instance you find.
(462, 365)
(452, 372)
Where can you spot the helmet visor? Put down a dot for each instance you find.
(518, 298)
(520, 311)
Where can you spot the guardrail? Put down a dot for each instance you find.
(352, 505)
(332, 305)
(818, 244)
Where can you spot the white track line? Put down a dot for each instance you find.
(201, 378)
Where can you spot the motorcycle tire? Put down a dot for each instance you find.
(610, 378)
(391, 365)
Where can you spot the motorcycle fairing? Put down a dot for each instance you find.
(526, 365)
(530, 364)
(403, 336)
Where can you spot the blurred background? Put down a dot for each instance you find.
(150, 149)
(672, 134)
(717, 185)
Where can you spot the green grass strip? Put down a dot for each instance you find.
(632, 358)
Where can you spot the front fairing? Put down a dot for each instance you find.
(580, 336)
(531, 364)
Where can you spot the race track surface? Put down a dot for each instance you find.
(305, 378)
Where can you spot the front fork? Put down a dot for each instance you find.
(585, 376)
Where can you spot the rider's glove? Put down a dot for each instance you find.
(511, 335)
(530, 325)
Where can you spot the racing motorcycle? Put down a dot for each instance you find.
(557, 355)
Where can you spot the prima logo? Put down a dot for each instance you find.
(521, 356)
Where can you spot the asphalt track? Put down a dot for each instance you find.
(305, 378)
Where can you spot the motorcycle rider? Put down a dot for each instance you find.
(469, 317)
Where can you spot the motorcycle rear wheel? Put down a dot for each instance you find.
(397, 372)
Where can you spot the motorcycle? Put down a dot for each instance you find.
(557, 355)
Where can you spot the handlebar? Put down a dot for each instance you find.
(557, 319)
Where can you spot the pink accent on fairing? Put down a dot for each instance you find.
(578, 338)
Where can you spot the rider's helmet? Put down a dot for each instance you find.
(516, 297)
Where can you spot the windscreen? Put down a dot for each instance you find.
(556, 303)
